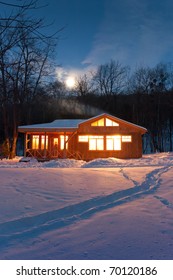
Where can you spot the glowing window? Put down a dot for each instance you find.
(63, 141)
(104, 122)
(96, 143)
(35, 141)
(55, 145)
(111, 123)
(43, 142)
(98, 123)
(55, 141)
(113, 143)
(127, 138)
(83, 138)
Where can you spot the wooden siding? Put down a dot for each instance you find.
(128, 149)
(80, 150)
(123, 127)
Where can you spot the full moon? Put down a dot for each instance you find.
(70, 82)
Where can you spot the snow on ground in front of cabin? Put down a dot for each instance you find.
(146, 160)
(103, 209)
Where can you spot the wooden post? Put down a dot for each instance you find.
(65, 151)
(45, 145)
(25, 143)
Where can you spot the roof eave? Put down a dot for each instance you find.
(25, 130)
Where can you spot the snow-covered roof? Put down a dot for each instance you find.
(71, 124)
(66, 124)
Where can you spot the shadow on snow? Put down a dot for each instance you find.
(30, 227)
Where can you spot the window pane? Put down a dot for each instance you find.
(115, 124)
(98, 123)
(92, 144)
(96, 143)
(55, 141)
(117, 143)
(63, 139)
(113, 143)
(100, 144)
(35, 141)
(101, 122)
(94, 124)
(42, 142)
(83, 138)
(127, 138)
(109, 144)
(111, 123)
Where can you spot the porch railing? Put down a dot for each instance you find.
(47, 154)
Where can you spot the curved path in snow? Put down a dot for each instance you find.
(30, 227)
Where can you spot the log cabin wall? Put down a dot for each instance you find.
(131, 149)
(99, 137)
(128, 150)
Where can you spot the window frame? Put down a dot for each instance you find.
(35, 141)
(96, 123)
(113, 123)
(64, 140)
(105, 122)
(113, 139)
(107, 140)
(83, 138)
(96, 139)
(42, 142)
(126, 138)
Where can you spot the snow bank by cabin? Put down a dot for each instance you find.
(146, 160)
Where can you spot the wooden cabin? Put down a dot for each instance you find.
(98, 137)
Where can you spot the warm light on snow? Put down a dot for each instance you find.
(107, 208)
(70, 82)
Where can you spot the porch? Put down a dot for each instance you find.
(41, 155)
(46, 146)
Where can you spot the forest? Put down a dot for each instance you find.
(31, 93)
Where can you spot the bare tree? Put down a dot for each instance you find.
(24, 54)
(110, 78)
(84, 85)
(149, 88)
(140, 80)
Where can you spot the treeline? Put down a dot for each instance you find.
(144, 97)
(30, 92)
(26, 61)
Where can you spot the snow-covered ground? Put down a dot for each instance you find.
(103, 209)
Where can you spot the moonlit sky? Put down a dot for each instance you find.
(134, 32)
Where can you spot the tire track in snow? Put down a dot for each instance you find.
(30, 227)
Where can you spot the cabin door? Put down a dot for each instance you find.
(54, 146)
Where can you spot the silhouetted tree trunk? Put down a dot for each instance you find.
(24, 54)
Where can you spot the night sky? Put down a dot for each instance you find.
(134, 32)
